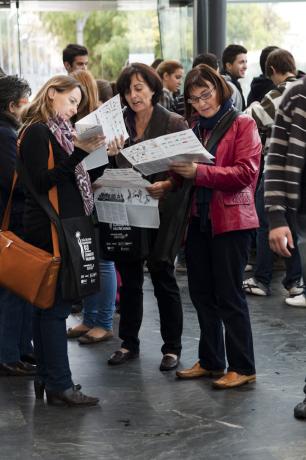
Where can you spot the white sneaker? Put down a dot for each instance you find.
(297, 301)
(296, 289)
(252, 286)
(248, 268)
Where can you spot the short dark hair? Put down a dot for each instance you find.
(149, 75)
(156, 62)
(282, 62)
(72, 51)
(231, 52)
(197, 77)
(208, 59)
(12, 89)
(263, 56)
(105, 90)
(169, 67)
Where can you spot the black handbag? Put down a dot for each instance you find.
(79, 273)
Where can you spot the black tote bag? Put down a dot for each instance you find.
(80, 269)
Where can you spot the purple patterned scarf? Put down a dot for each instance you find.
(62, 131)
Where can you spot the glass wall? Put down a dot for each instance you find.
(176, 32)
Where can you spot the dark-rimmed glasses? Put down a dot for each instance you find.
(203, 97)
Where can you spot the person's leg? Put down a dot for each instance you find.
(99, 308)
(52, 345)
(230, 256)
(293, 266)
(131, 303)
(26, 347)
(169, 304)
(13, 310)
(201, 288)
(264, 255)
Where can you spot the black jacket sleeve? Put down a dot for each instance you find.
(34, 151)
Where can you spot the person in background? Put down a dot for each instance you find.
(156, 63)
(16, 350)
(211, 60)
(285, 185)
(140, 89)
(75, 57)
(47, 120)
(281, 68)
(234, 62)
(262, 84)
(223, 216)
(105, 90)
(97, 323)
(171, 74)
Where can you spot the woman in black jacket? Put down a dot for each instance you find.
(140, 88)
(47, 119)
(16, 351)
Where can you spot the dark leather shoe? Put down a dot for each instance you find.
(70, 397)
(18, 369)
(169, 362)
(39, 388)
(119, 357)
(29, 358)
(300, 410)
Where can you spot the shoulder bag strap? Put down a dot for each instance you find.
(45, 204)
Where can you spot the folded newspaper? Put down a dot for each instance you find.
(121, 198)
(156, 155)
(107, 120)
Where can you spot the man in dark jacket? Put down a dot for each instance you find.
(15, 314)
(261, 85)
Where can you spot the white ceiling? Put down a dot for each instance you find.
(86, 5)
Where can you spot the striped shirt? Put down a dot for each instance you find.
(263, 112)
(284, 175)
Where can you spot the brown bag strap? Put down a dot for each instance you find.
(53, 198)
(52, 194)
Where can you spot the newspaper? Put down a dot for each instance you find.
(156, 155)
(121, 198)
(107, 120)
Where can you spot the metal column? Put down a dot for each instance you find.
(209, 26)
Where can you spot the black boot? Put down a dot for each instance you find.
(70, 397)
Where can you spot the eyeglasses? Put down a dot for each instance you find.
(204, 97)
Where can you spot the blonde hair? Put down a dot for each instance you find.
(90, 87)
(41, 108)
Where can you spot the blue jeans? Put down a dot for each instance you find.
(15, 327)
(99, 308)
(264, 255)
(50, 345)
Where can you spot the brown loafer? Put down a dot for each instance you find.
(232, 380)
(88, 339)
(73, 333)
(197, 371)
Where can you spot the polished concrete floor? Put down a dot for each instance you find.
(145, 414)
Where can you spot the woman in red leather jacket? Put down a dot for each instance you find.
(222, 217)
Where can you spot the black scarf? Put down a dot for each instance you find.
(203, 194)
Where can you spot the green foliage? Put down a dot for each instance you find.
(109, 36)
(255, 26)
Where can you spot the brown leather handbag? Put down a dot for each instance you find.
(26, 270)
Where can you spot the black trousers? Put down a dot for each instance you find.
(215, 267)
(169, 303)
